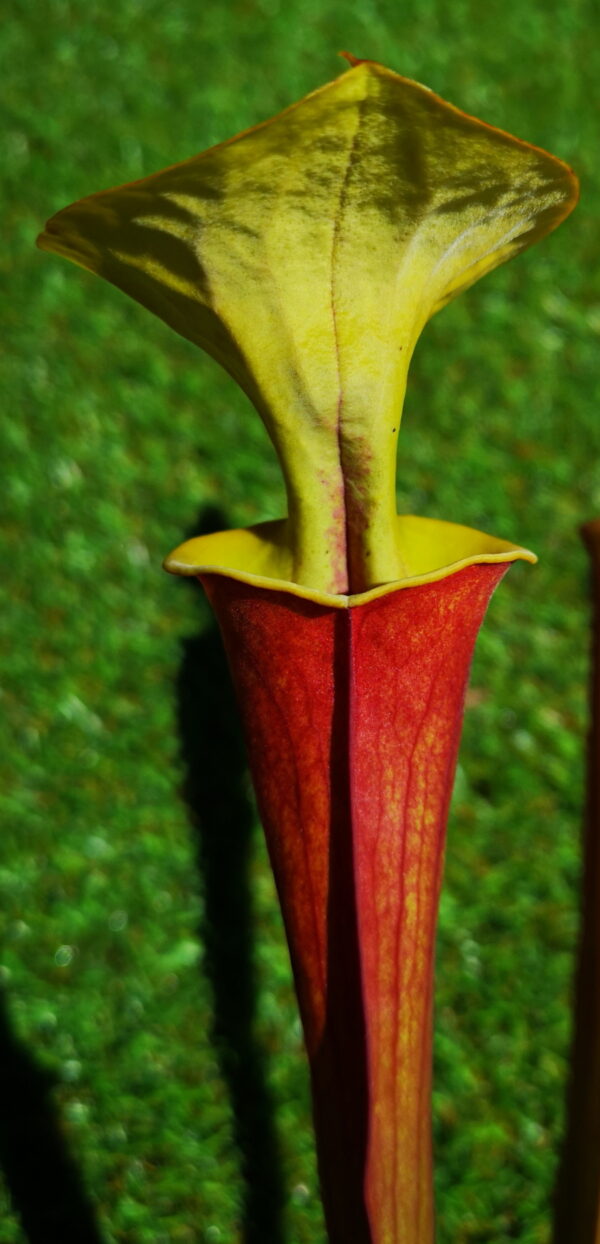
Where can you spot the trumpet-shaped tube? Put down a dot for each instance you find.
(352, 710)
(306, 255)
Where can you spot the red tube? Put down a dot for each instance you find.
(352, 719)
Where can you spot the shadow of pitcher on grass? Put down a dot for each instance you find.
(216, 793)
(42, 1177)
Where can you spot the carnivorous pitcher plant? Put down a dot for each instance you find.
(306, 255)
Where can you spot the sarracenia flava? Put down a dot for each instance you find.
(306, 255)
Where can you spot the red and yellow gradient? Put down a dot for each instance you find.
(352, 709)
(306, 255)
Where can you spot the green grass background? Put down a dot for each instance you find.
(151, 1035)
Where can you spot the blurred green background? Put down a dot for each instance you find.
(150, 1044)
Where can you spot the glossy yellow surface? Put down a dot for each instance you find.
(263, 555)
(306, 255)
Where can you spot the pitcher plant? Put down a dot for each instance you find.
(306, 255)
